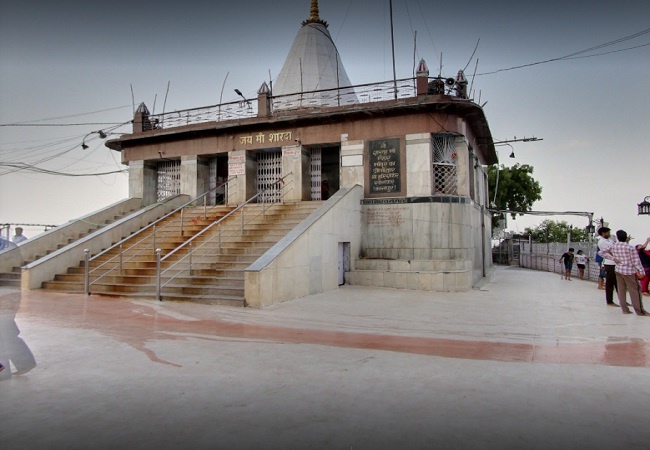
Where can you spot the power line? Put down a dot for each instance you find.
(429, 32)
(73, 115)
(575, 55)
(54, 172)
(58, 124)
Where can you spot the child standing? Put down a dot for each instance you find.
(581, 261)
(568, 263)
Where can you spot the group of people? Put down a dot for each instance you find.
(17, 238)
(626, 269)
(568, 258)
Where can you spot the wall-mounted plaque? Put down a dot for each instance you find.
(385, 175)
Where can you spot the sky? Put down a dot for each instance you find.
(76, 61)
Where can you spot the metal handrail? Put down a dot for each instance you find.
(119, 244)
(241, 207)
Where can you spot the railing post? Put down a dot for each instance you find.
(226, 194)
(205, 207)
(154, 238)
(242, 218)
(219, 233)
(87, 271)
(182, 220)
(158, 274)
(190, 258)
(121, 260)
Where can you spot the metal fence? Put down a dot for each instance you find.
(547, 257)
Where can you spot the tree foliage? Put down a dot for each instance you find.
(515, 187)
(556, 231)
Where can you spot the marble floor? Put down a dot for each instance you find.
(528, 361)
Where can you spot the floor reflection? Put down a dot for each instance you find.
(15, 356)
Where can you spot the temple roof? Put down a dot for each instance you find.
(313, 62)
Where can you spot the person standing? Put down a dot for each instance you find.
(581, 261)
(644, 256)
(628, 272)
(604, 243)
(568, 263)
(19, 236)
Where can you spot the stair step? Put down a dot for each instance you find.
(217, 275)
(9, 282)
(10, 275)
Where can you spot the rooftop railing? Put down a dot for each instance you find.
(323, 98)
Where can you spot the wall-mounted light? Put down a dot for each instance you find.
(100, 133)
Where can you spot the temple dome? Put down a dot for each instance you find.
(313, 64)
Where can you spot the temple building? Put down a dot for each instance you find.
(389, 178)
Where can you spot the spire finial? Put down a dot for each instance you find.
(314, 14)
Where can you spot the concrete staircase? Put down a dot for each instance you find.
(216, 275)
(13, 278)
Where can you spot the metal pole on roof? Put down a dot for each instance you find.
(392, 41)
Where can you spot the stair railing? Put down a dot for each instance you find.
(157, 231)
(191, 257)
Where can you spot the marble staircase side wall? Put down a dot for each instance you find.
(34, 274)
(49, 240)
(305, 261)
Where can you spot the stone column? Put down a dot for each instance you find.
(462, 166)
(419, 167)
(242, 168)
(352, 162)
(295, 161)
(143, 181)
(195, 176)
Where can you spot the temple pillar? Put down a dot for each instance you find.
(419, 166)
(195, 176)
(242, 169)
(143, 181)
(352, 170)
(462, 167)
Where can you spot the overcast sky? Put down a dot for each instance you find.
(68, 58)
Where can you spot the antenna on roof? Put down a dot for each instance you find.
(132, 97)
(153, 110)
(473, 75)
(166, 93)
(392, 41)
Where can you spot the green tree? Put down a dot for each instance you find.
(515, 188)
(555, 231)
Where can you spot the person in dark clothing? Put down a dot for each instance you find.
(568, 263)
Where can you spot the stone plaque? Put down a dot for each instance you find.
(385, 175)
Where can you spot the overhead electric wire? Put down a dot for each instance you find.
(576, 55)
(72, 115)
(429, 32)
(56, 124)
(66, 174)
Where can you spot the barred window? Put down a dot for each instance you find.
(168, 179)
(445, 175)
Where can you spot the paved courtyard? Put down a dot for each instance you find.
(529, 361)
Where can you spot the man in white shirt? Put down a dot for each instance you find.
(19, 236)
(604, 243)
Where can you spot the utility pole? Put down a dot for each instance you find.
(392, 41)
